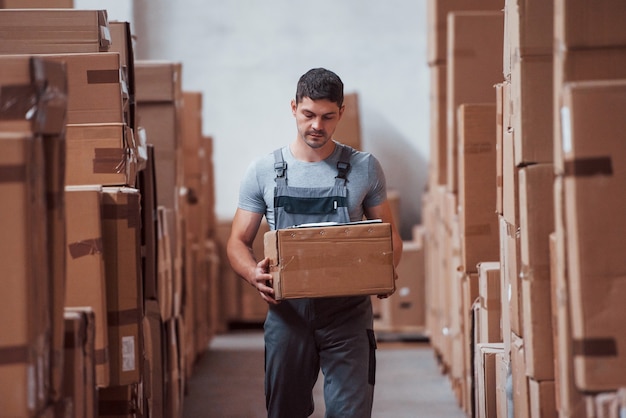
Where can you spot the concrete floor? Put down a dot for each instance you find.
(228, 381)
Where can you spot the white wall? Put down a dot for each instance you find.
(246, 56)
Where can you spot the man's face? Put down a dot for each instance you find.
(316, 120)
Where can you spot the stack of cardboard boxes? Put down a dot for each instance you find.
(521, 215)
(107, 201)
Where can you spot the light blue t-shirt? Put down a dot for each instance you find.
(366, 181)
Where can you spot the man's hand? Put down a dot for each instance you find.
(262, 281)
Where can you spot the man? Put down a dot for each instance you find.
(291, 186)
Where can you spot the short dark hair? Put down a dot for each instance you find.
(318, 84)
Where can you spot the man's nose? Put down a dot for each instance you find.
(317, 123)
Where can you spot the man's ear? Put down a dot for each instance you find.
(294, 107)
(341, 109)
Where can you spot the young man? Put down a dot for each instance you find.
(313, 179)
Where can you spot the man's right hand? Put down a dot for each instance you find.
(262, 281)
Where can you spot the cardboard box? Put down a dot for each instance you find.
(520, 380)
(438, 124)
(349, 128)
(86, 279)
(146, 183)
(437, 14)
(120, 401)
(531, 97)
(489, 299)
(27, 80)
(79, 375)
(405, 310)
(477, 184)
(54, 31)
(122, 43)
(594, 206)
(25, 299)
(100, 154)
(582, 65)
(36, 4)
(121, 221)
(340, 260)
(485, 379)
(154, 378)
(474, 66)
(582, 25)
(165, 281)
(503, 371)
(542, 399)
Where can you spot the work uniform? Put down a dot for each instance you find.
(304, 335)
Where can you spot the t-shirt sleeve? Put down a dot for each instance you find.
(378, 185)
(250, 191)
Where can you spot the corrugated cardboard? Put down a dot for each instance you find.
(154, 378)
(474, 66)
(100, 154)
(85, 267)
(25, 306)
(165, 264)
(520, 380)
(349, 128)
(146, 183)
(338, 260)
(121, 221)
(79, 374)
(542, 399)
(594, 206)
(502, 372)
(405, 309)
(531, 97)
(438, 124)
(54, 31)
(122, 43)
(36, 4)
(477, 184)
(485, 378)
(584, 25)
(437, 13)
(489, 293)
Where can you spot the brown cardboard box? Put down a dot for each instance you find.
(79, 374)
(469, 296)
(520, 380)
(336, 260)
(583, 25)
(349, 128)
(54, 31)
(510, 281)
(542, 399)
(531, 97)
(85, 267)
(121, 221)
(474, 66)
(529, 27)
(502, 372)
(510, 194)
(154, 379)
(146, 183)
(581, 65)
(437, 13)
(594, 222)
(159, 96)
(36, 4)
(405, 310)
(489, 293)
(477, 184)
(438, 125)
(536, 200)
(499, 143)
(120, 401)
(100, 154)
(165, 281)
(25, 306)
(485, 378)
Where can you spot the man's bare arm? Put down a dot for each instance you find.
(242, 259)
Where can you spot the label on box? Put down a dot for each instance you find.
(566, 129)
(128, 353)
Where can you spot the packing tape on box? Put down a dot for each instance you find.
(101, 356)
(595, 347)
(592, 166)
(125, 317)
(103, 76)
(130, 211)
(85, 247)
(13, 173)
(15, 354)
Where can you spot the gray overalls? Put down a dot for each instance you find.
(302, 335)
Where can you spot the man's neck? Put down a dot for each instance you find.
(302, 152)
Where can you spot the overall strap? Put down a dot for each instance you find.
(280, 167)
(343, 165)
